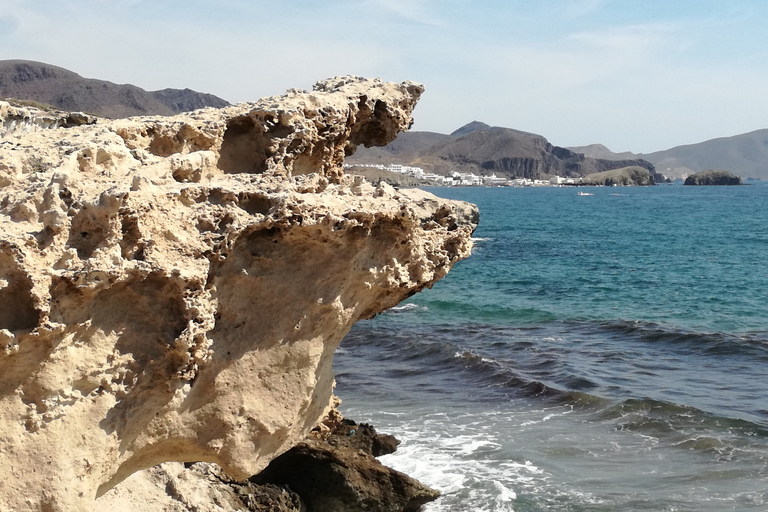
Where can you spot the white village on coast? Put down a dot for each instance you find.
(457, 179)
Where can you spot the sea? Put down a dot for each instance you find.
(595, 353)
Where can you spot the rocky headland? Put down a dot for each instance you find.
(713, 177)
(482, 149)
(625, 176)
(173, 289)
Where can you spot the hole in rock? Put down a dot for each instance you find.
(244, 148)
(130, 247)
(308, 162)
(374, 131)
(221, 197)
(90, 227)
(164, 146)
(255, 203)
(17, 309)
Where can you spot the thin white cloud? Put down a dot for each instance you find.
(421, 12)
(576, 71)
(627, 37)
(579, 8)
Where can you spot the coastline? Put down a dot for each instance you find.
(409, 178)
(335, 469)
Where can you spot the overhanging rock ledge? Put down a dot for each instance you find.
(173, 289)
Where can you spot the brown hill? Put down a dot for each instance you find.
(404, 149)
(483, 149)
(745, 155)
(600, 151)
(63, 89)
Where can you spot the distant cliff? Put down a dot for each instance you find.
(482, 149)
(63, 89)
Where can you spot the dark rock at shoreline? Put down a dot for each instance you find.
(230, 494)
(626, 176)
(341, 473)
(713, 177)
(333, 470)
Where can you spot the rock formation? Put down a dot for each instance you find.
(173, 289)
(197, 487)
(17, 120)
(626, 176)
(341, 473)
(712, 177)
(331, 471)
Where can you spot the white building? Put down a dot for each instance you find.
(493, 180)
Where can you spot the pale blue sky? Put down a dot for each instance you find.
(633, 75)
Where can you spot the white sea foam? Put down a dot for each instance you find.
(480, 461)
(470, 355)
(402, 308)
(505, 495)
(547, 417)
(464, 459)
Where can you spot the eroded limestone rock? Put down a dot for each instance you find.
(173, 289)
(201, 487)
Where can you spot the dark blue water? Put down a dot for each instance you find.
(605, 352)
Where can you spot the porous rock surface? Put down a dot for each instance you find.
(197, 487)
(173, 289)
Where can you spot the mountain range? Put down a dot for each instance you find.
(482, 149)
(66, 90)
(745, 155)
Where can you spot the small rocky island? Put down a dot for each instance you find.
(713, 177)
(625, 176)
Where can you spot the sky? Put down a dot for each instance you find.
(634, 75)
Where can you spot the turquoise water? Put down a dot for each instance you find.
(605, 352)
(693, 257)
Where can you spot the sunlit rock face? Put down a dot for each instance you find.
(173, 289)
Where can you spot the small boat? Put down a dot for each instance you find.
(585, 194)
